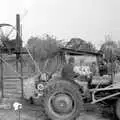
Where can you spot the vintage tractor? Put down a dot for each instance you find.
(63, 99)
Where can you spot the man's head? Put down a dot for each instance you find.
(93, 63)
(71, 60)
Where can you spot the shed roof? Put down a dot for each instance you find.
(80, 52)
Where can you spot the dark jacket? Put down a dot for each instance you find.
(67, 72)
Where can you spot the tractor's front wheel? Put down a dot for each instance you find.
(63, 101)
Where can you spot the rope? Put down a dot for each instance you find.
(33, 60)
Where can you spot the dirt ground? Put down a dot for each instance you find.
(11, 115)
(31, 112)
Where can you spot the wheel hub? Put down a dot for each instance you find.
(62, 103)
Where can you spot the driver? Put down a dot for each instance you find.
(67, 71)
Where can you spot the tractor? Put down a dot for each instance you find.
(63, 99)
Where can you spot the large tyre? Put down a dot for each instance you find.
(117, 109)
(63, 101)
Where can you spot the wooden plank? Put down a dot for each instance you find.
(12, 95)
(14, 77)
(10, 90)
(9, 87)
(11, 79)
(12, 85)
(14, 90)
(11, 82)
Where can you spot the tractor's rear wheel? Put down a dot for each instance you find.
(117, 109)
(63, 101)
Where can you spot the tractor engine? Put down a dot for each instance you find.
(34, 86)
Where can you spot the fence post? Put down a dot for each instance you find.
(21, 73)
(1, 73)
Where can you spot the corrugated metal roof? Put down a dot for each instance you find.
(80, 52)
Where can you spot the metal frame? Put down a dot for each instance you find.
(110, 87)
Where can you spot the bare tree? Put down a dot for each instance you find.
(109, 48)
(43, 48)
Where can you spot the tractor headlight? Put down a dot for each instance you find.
(40, 86)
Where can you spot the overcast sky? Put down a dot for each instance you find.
(87, 19)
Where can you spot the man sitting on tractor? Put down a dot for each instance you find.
(67, 71)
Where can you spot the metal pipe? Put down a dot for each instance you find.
(102, 89)
(104, 98)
